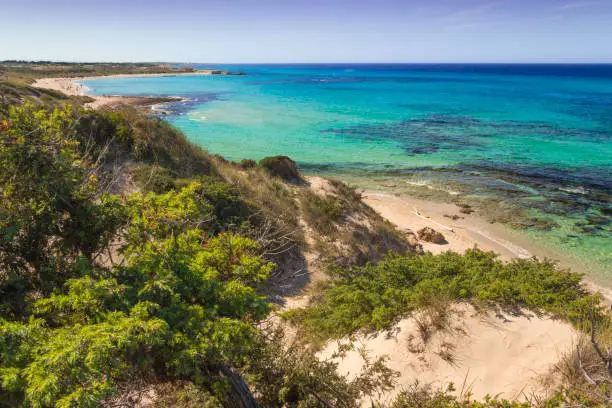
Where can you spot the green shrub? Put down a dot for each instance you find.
(178, 307)
(416, 396)
(281, 166)
(51, 211)
(230, 208)
(247, 163)
(225, 198)
(98, 131)
(375, 296)
(174, 303)
(151, 177)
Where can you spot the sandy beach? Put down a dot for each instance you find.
(72, 86)
(464, 231)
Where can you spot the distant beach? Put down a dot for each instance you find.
(74, 86)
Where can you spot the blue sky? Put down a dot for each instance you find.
(244, 31)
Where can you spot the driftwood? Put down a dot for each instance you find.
(240, 395)
(418, 214)
(606, 359)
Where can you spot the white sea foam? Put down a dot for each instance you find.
(576, 190)
(519, 251)
(419, 183)
(82, 89)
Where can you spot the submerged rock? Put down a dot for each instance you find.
(465, 208)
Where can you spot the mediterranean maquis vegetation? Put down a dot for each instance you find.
(136, 269)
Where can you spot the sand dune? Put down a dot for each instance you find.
(494, 354)
(509, 356)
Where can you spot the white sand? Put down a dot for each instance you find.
(72, 86)
(510, 357)
(468, 232)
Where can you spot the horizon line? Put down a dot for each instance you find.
(535, 62)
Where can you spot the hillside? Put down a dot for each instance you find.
(137, 269)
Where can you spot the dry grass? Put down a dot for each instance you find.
(583, 372)
(447, 353)
(322, 214)
(349, 232)
(432, 318)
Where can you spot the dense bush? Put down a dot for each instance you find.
(151, 177)
(51, 212)
(375, 296)
(281, 166)
(106, 296)
(172, 303)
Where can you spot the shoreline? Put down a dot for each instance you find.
(71, 86)
(469, 231)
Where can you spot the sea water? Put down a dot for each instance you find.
(529, 145)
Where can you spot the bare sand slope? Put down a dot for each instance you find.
(509, 356)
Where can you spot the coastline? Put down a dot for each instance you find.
(527, 345)
(468, 231)
(71, 86)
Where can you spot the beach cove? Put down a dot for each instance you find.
(545, 171)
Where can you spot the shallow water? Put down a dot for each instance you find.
(530, 144)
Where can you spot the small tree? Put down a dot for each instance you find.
(50, 210)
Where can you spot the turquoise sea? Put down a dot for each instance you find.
(529, 145)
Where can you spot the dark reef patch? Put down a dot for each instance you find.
(184, 106)
(418, 136)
